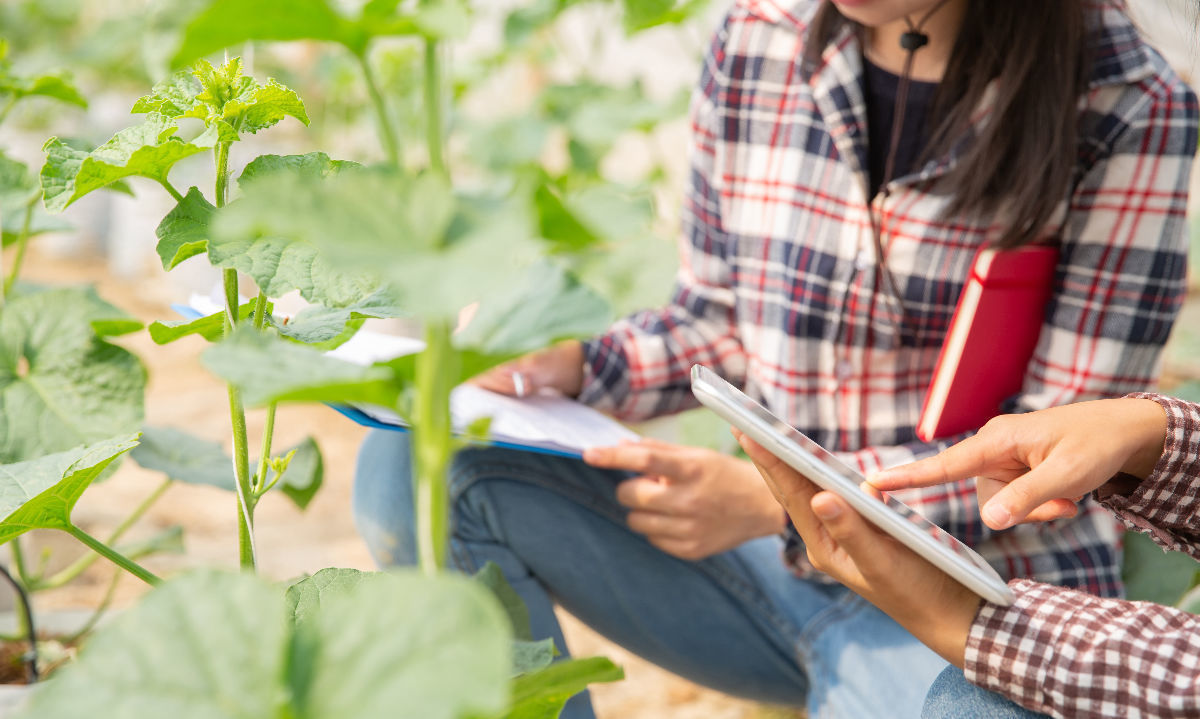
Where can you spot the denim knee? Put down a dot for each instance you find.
(383, 498)
(953, 697)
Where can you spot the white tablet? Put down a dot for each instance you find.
(824, 469)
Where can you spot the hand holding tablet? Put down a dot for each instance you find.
(823, 469)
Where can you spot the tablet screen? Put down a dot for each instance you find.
(836, 470)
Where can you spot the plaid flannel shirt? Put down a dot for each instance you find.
(777, 285)
(1062, 652)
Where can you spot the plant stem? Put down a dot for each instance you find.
(387, 134)
(105, 603)
(113, 555)
(237, 413)
(80, 565)
(260, 485)
(25, 617)
(171, 189)
(433, 107)
(18, 554)
(433, 442)
(22, 243)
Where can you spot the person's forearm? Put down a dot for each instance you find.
(1066, 653)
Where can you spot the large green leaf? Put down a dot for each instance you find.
(226, 23)
(147, 150)
(40, 493)
(1155, 575)
(304, 597)
(322, 325)
(272, 370)
(435, 648)
(183, 233)
(18, 186)
(315, 165)
(275, 231)
(184, 457)
(61, 384)
(210, 327)
(643, 14)
(208, 645)
(305, 473)
(542, 694)
(543, 306)
(58, 86)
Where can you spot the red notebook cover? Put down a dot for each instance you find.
(992, 335)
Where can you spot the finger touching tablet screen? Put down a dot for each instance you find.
(827, 471)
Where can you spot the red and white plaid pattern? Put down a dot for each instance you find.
(777, 291)
(1068, 654)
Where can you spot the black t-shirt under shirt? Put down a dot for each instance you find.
(879, 89)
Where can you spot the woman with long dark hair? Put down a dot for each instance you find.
(849, 160)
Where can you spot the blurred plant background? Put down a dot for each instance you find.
(583, 98)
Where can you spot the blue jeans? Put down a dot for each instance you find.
(953, 697)
(738, 622)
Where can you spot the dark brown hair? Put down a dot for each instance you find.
(1023, 161)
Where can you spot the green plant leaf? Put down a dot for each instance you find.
(274, 231)
(58, 86)
(61, 384)
(1154, 575)
(558, 224)
(272, 370)
(148, 150)
(445, 632)
(184, 457)
(530, 656)
(314, 165)
(643, 14)
(209, 644)
(544, 306)
(445, 19)
(172, 97)
(18, 186)
(183, 233)
(210, 327)
(304, 474)
(1191, 601)
(304, 597)
(542, 694)
(263, 107)
(40, 493)
(11, 224)
(226, 23)
(514, 607)
(322, 325)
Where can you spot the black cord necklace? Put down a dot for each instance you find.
(911, 41)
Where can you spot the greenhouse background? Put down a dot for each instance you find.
(584, 94)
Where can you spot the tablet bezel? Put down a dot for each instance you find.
(827, 471)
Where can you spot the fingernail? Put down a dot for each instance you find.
(997, 516)
(827, 510)
(518, 381)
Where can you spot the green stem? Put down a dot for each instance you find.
(18, 554)
(387, 134)
(433, 107)
(433, 443)
(94, 619)
(22, 243)
(237, 413)
(8, 106)
(171, 189)
(80, 565)
(113, 555)
(260, 485)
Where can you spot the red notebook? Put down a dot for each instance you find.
(992, 335)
